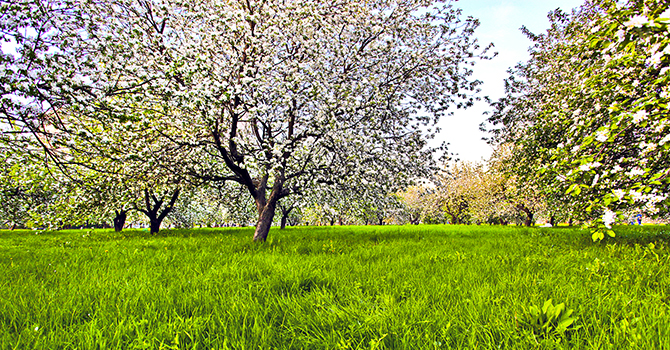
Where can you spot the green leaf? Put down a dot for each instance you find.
(597, 235)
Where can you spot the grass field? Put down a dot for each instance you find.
(392, 287)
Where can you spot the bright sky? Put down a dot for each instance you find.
(500, 23)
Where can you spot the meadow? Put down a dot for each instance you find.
(373, 287)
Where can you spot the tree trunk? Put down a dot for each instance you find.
(454, 219)
(570, 222)
(120, 220)
(285, 212)
(265, 217)
(529, 219)
(528, 212)
(154, 212)
(154, 225)
(552, 221)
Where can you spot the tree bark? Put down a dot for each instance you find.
(265, 216)
(266, 206)
(120, 220)
(552, 221)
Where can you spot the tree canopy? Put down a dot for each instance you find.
(588, 112)
(277, 97)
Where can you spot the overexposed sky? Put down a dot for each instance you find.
(500, 23)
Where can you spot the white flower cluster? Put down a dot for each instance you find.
(609, 218)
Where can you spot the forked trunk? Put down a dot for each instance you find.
(155, 210)
(285, 212)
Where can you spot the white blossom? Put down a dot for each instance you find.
(621, 35)
(609, 217)
(665, 15)
(619, 194)
(636, 195)
(639, 116)
(664, 140)
(589, 166)
(655, 59)
(636, 22)
(595, 180)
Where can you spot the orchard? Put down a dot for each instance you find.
(149, 147)
(265, 113)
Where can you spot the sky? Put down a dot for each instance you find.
(500, 23)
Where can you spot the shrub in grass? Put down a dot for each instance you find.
(549, 321)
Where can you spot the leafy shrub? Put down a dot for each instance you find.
(550, 320)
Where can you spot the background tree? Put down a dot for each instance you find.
(587, 111)
(417, 203)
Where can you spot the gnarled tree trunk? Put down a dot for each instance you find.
(267, 206)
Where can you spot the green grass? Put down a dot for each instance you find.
(393, 287)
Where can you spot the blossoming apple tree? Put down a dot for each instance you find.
(589, 111)
(276, 96)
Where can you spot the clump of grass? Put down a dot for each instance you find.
(394, 287)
